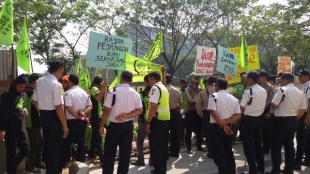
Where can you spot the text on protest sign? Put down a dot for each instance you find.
(284, 64)
(205, 60)
(227, 62)
(105, 51)
(253, 62)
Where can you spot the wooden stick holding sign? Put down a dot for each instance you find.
(106, 78)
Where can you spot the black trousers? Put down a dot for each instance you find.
(52, 137)
(96, 139)
(252, 143)
(118, 134)
(182, 130)
(307, 151)
(266, 133)
(206, 128)
(76, 134)
(15, 136)
(221, 147)
(192, 121)
(301, 138)
(159, 145)
(174, 127)
(34, 158)
(282, 133)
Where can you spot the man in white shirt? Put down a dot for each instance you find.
(252, 106)
(78, 105)
(303, 130)
(289, 105)
(225, 111)
(121, 106)
(48, 99)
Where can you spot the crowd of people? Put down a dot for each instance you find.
(266, 110)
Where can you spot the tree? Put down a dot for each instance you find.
(185, 24)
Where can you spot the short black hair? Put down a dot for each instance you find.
(54, 66)
(254, 75)
(97, 80)
(155, 75)
(272, 78)
(73, 78)
(263, 74)
(33, 78)
(211, 80)
(242, 73)
(168, 78)
(183, 81)
(146, 78)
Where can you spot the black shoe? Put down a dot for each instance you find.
(286, 171)
(201, 149)
(138, 163)
(209, 156)
(297, 167)
(305, 163)
(190, 151)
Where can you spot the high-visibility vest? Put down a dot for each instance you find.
(28, 103)
(163, 111)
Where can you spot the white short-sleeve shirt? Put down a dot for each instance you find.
(257, 106)
(48, 93)
(292, 102)
(126, 101)
(226, 105)
(306, 91)
(154, 93)
(78, 99)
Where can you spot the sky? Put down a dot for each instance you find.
(43, 68)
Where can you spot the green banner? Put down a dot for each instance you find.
(6, 23)
(244, 53)
(156, 49)
(23, 49)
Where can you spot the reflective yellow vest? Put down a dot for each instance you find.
(163, 111)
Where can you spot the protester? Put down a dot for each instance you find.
(65, 82)
(11, 120)
(33, 126)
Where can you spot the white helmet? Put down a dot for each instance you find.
(192, 78)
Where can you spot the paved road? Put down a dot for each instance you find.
(196, 163)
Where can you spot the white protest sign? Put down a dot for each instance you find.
(205, 61)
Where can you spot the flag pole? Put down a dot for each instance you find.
(30, 57)
(13, 64)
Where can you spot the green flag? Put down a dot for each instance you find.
(139, 67)
(23, 49)
(156, 49)
(244, 53)
(83, 75)
(6, 23)
(116, 81)
(98, 72)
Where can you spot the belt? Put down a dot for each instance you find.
(174, 109)
(252, 116)
(47, 111)
(230, 125)
(121, 122)
(288, 117)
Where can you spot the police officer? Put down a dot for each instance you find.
(78, 104)
(225, 111)
(157, 124)
(202, 108)
(175, 104)
(11, 123)
(266, 116)
(48, 98)
(289, 105)
(252, 106)
(142, 121)
(33, 126)
(303, 128)
(122, 105)
(96, 92)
